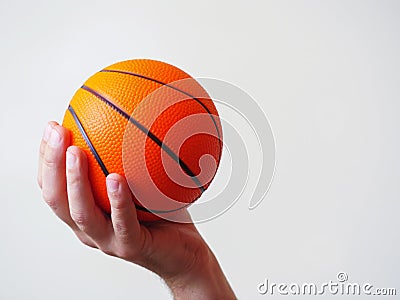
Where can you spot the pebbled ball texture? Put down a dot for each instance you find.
(147, 91)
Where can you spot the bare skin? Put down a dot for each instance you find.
(176, 252)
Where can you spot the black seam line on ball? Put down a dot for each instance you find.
(94, 152)
(174, 88)
(88, 141)
(151, 135)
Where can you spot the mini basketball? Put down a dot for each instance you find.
(152, 123)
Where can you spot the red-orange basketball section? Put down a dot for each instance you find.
(97, 120)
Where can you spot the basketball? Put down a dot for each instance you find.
(152, 123)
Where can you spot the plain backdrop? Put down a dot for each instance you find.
(327, 75)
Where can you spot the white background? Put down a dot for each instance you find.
(327, 74)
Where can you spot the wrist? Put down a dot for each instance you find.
(204, 281)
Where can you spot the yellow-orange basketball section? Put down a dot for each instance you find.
(97, 119)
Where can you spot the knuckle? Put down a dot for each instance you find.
(81, 219)
(108, 252)
(42, 149)
(49, 159)
(86, 241)
(73, 178)
(122, 231)
(125, 253)
(119, 203)
(49, 198)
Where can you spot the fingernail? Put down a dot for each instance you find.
(47, 132)
(71, 160)
(112, 185)
(55, 138)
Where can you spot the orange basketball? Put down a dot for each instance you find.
(152, 123)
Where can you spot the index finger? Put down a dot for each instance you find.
(43, 144)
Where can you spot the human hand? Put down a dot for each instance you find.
(174, 251)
